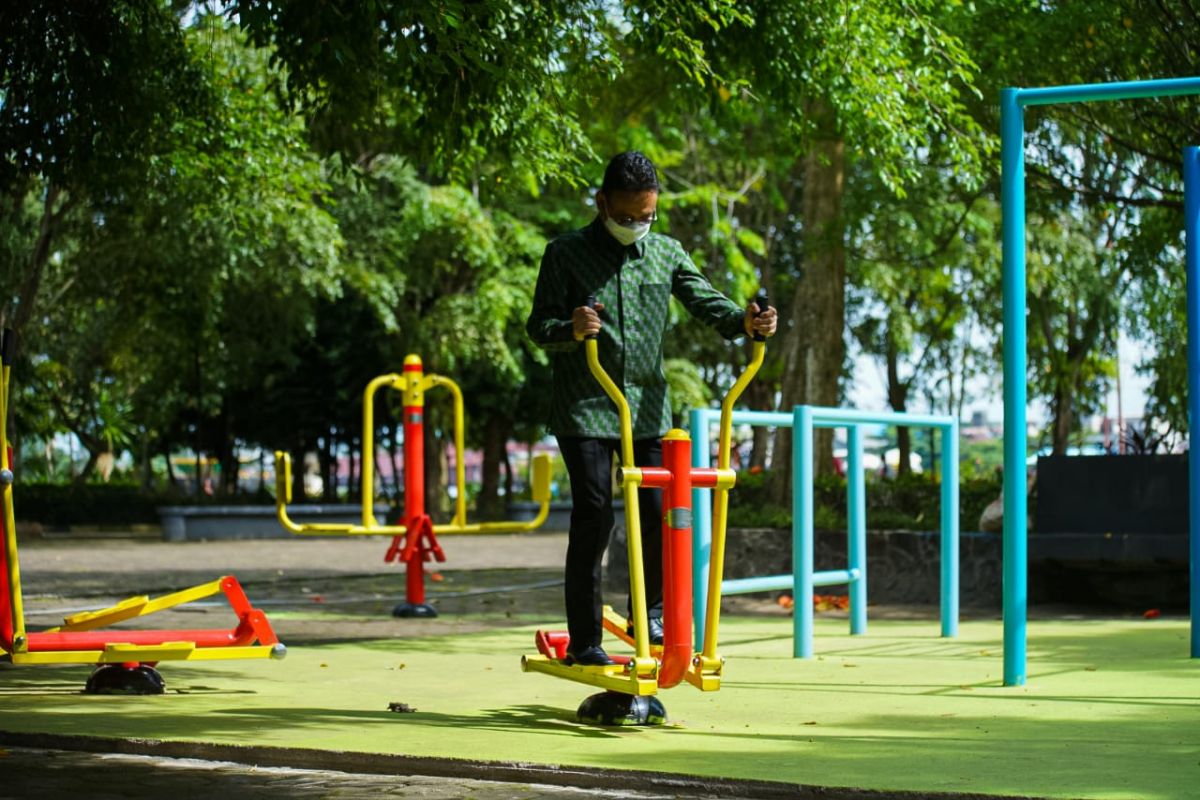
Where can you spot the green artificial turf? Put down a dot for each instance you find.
(1110, 709)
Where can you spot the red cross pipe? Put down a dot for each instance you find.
(676, 477)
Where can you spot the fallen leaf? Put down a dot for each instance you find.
(401, 708)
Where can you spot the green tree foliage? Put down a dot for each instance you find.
(1107, 174)
(457, 84)
(218, 221)
(87, 92)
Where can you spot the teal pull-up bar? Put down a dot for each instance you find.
(804, 578)
(1012, 164)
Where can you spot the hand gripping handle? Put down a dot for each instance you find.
(763, 304)
(590, 302)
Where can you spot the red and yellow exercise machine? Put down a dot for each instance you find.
(633, 681)
(125, 659)
(415, 541)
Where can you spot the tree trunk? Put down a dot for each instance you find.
(147, 467)
(813, 346)
(897, 392)
(393, 435)
(88, 467)
(354, 483)
(435, 474)
(508, 474)
(227, 457)
(27, 297)
(96, 447)
(166, 451)
(1063, 419)
(298, 467)
(759, 395)
(490, 505)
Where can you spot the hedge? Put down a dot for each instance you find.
(56, 505)
(909, 503)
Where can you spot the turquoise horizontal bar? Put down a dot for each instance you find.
(777, 419)
(767, 583)
(833, 417)
(773, 583)
(835, 577)
(1122, 90)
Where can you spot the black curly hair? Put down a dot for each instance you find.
(630, 171)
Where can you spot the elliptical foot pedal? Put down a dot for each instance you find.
(618, 708)
(123, 679)
(410, 610)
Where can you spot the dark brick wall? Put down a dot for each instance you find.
(902, 566)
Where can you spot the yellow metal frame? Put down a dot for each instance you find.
(115, 651)
(639, 677)
(709, 661)
(412, 385)
(125, 653)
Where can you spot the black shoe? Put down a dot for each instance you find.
(593, 656)
(656, 630)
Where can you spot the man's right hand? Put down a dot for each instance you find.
(585, 321)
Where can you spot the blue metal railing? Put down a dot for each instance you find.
(1012, 194)
(804, 578)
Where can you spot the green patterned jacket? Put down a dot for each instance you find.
(635, 284)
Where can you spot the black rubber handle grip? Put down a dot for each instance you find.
(6, 347)
(763, 304)
(590, 302)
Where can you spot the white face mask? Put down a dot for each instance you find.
(627, 235)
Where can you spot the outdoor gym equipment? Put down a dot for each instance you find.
(632, 682)
(802, 420)
(415, 541)
(1012, 203)
(125, 659)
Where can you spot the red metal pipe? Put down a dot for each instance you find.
(704, 477)
(677, 560)
(98, 640)
(6, 619)
(415, 519)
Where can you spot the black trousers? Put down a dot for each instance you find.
(589, 465)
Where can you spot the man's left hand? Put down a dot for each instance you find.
(760, 321)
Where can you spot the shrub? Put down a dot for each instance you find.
(56, 504)
(909, 503)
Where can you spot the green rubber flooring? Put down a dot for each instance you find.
(1110, 709)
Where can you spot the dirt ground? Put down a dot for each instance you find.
(316, 590)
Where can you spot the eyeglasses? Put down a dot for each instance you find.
(625, 222)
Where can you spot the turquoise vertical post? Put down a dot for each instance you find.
(1012, 204)
(950, 529)
(1191, 229)
(856, 532)
(701, 521)
(802, 531)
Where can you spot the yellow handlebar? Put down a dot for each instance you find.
(716, 567)
(637, 588)
(614, 393)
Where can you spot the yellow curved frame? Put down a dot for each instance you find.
(413, 386)
(639, 677)
(116, 651)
